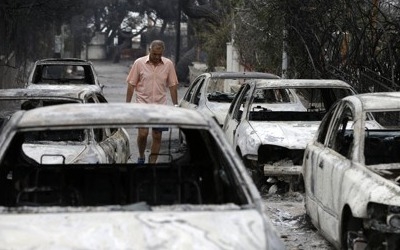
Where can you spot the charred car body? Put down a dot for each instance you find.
(211, 93)
(351, 173)
(81, 146)
(63, 71)
(186, 200)
(12, 100)
(270, 122)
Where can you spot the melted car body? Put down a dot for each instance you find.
(81, 146)
(187, 199)
(351, 173)
(270, 122)
(211, 93)
(62, 71)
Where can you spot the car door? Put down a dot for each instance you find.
(320, 157)
(235, 112)
(190, 99)
(311, 174)
(331, 165)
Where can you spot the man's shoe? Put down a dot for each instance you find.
(140, 160)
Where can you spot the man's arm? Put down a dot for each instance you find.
(132, 80)
(174, 93)
(173, 83)
(129, 92)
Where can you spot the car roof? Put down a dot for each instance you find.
(377, 101)
(47, 91)
(69, 61)
(239, 75)
(111, 114)
(313, 83)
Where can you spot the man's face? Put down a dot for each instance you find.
(155, 54)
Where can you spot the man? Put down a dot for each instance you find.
(150, 76)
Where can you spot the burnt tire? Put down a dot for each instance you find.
(351, 228)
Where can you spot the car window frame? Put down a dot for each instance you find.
(198, 91)
(242, 102)
(234, 101)
(337, 130)
(192, 88)
(325, 125)
(232, 111)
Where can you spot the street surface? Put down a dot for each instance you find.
(286, 211)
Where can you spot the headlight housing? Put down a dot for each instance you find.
(393, 220)
(383, 217)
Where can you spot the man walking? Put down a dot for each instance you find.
(151, 76)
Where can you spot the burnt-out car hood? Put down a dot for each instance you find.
(390, 172)
(221, 229)
(292, 135)
(53, 153)
(219, 110)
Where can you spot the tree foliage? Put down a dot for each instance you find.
(27, 30)
(26, 24)
(353, 40)
(212, 34)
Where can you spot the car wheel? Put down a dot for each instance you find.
(352, 232)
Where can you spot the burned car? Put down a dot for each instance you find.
(211, 93)
(62, 71)
(351, 173)
(197, 196)
(12, 100)
(270, 122)
(83, 146)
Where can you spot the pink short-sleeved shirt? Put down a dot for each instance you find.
(151, 82)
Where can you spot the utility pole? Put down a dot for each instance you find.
(178, 33)
(284, 54)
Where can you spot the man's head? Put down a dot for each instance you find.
(156, 51)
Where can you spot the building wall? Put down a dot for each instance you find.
(96, 50)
